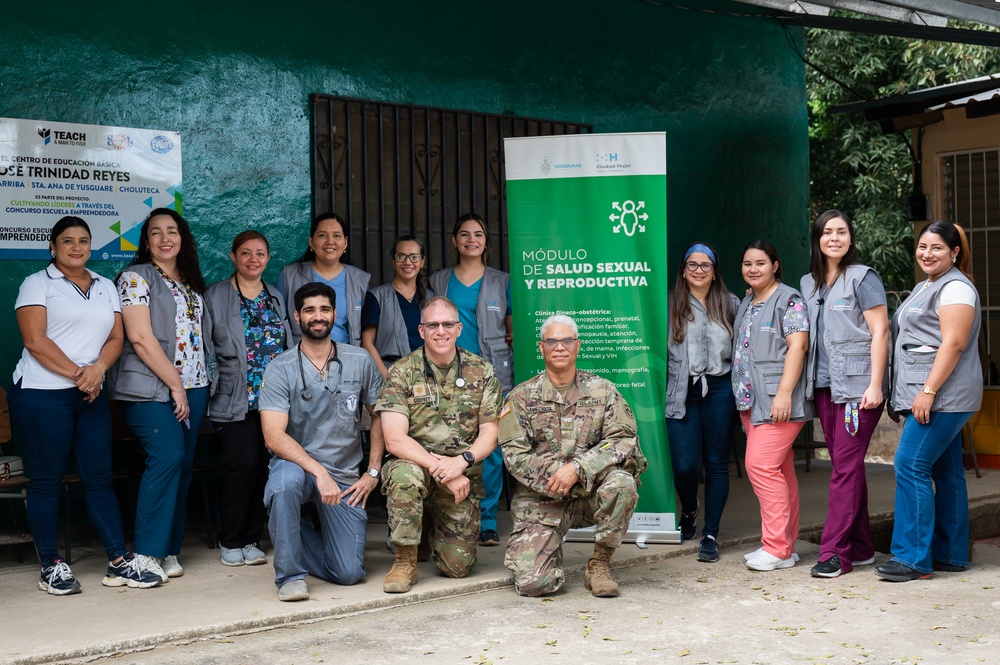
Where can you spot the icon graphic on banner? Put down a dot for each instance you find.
(629, 214)
(46, 134)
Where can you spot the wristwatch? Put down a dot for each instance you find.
(577, 468)
(374, 473)
(927, 391)
(469, 458)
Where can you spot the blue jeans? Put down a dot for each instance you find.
(493, 482)
(51, 424)
(704, 436)
(932, 503)
(161, 511)
(337, 554)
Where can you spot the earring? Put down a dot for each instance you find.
(953, 259)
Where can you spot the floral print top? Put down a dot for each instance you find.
(796, 319)
(189, 349)
(265, 338)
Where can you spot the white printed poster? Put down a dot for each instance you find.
(111, 177)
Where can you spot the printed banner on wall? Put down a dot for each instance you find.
(111, 177)
(587, 220)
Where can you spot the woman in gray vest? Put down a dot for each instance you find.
(699, 407)
(769, 353)
(162, 378)
(390, 318)
(849, 352)
(938, 385)
(482, 295)
(322, 263)
(251, 328)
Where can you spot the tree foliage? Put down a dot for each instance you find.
(854, 167)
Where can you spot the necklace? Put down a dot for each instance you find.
(322, 370)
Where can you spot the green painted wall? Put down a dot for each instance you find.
(728, 90)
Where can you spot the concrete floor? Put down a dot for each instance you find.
(212, 601)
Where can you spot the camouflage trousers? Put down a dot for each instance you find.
(407, 486)
(534, 550)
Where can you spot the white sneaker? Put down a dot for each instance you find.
(171, 567)
(865, 562)
(795, 556)
(152, 564)
(765, 561)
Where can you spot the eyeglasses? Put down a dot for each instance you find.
(434, 325)
(553, 342)
(412, 258)
(694, 267)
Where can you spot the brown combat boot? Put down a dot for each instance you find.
(597, 577)
(403, 574)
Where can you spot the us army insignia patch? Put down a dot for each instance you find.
(505, 410)
(420, 390)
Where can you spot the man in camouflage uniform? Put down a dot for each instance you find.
(569, 438)
(438, 410)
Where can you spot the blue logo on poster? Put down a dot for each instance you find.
(46, 135)
(161, 145)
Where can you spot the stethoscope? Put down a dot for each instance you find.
(429, 373)
(306, 393)
(254, 319)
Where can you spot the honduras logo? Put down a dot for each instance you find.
(351, 403)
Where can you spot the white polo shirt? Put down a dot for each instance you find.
(79, 323)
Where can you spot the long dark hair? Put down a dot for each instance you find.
(485, 256)
(309, 255)
(767, 248)
(717, 304)
(953, 236)
(187, 258)
(421, 277)
(817, 260)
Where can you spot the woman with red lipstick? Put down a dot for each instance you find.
(251, 328)
(482, 295)
(699, 406)
(938, 385)
(162, 378)
(849, 343)
(390, 318)
(71, 324)
(769, 353)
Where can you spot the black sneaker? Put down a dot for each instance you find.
(943, 567)
(828, 568)
(130, 572)
(894, 571)
(709, 550)
(58, 579)
(688, 527)
(489, 538)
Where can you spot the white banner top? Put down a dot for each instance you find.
(111, 177)
(538, 157)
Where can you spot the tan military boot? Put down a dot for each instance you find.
(597, 577)
(403, 574)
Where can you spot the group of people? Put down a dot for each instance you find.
(291, 375)
(779, 357)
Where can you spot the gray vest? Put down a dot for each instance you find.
(391, 338)
(129, 379)
(767, 358)
(846, 337)
(678, 370)
(491, 310)
(916, 324)
(294, 275)
(229, 403)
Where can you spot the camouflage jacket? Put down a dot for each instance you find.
(444, 418)
(540, 431)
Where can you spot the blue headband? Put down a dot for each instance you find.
(704, 249)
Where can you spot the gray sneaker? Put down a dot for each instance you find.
(152, 564)
(232, 556)
(253, 555)
(294, 590)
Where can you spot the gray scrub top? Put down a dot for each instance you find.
(324, 417)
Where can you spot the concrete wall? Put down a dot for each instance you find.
(234, 79)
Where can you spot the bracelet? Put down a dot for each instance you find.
(103, 368)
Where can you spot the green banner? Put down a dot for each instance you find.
(587, 222)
